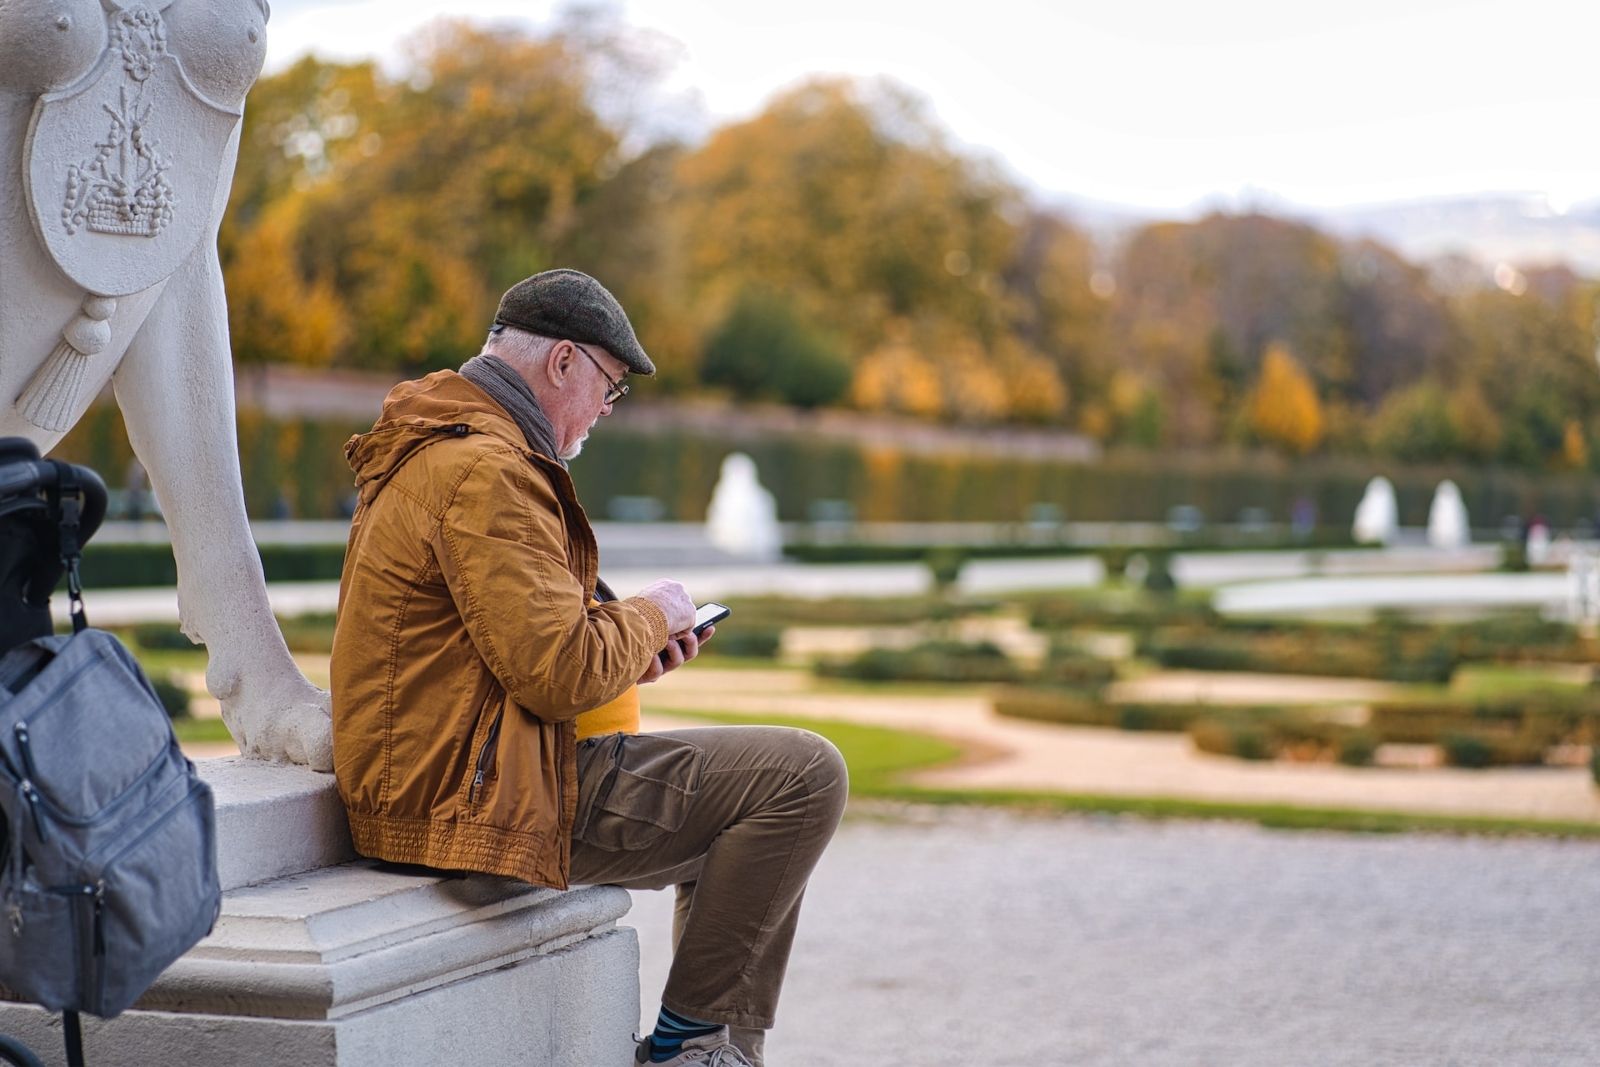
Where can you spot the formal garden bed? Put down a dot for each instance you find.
(1510, 689)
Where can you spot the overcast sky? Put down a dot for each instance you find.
(1159, 105)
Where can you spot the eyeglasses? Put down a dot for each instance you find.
(619, 388)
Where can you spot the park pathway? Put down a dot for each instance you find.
(957, 936)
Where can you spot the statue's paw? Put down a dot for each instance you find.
(294, 727)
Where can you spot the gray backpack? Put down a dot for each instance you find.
(110, 871)
(108, 866)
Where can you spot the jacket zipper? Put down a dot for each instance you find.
(491, 744)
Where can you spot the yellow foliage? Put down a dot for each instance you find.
(1574, 447)
(275, 314)
(885, 481)
(1095, 420)
(976, 389)
(1284, 409)
(896, 377)
(1126, 393)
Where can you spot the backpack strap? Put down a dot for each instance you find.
(68, 500)
(72, 1034)
(15, 1052)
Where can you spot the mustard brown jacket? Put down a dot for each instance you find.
(467, 641)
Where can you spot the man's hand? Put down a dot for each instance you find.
(681, 648)
(673, 600)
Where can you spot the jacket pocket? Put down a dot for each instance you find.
(645, 794)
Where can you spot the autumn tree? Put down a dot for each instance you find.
(1284, 409)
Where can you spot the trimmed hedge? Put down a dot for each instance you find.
(933, 661)
(1224, 737)
(135, 565)
(1392, 655)
(1281, 733)
(1065, 707)
(1478, 750)
(174, 696)
(1140, 613)
(1549, 719)
(739, 641)
(781, 611)
(1077, 707)
(1072, 668)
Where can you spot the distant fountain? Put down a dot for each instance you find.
(743, 517)
(1377, 519)
(1448, 525)
(1583, 590)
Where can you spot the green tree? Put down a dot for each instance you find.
(765, 349)
(1414, 425)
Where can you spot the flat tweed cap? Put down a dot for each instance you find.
(568, 305)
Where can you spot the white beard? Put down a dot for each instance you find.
(573, 452)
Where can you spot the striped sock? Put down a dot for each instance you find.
(672, 1030)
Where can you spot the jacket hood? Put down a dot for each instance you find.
(417, 414)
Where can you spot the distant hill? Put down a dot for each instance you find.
(1522, 229)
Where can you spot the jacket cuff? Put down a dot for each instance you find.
(654, 617)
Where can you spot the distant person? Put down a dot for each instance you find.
(135, 488)
(1303, 518)
(485, 716)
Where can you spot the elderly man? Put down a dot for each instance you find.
(484, 702)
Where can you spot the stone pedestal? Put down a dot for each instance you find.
(323, 960)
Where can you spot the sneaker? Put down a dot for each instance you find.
(713, 1050)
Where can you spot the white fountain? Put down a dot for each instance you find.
(743, 517)
(1377, 519)
(1448, 525)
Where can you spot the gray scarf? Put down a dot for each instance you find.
(505, 387)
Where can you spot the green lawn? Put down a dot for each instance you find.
(199, 731)
(1499, 680)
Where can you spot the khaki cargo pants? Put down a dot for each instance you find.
(736, 817)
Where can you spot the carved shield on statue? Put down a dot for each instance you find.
(123, 167)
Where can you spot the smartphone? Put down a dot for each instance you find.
(705, 616)
(708, 614)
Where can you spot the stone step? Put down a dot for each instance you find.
(322, 959)
(274, 820)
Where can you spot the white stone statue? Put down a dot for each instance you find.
(1377, 519)
(1448, 526)
(119, 123)
(743, 517)
(1539, 542)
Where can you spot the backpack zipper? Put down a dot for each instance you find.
(31, 795)
(21, 730)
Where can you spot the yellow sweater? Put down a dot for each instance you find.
(621, 716)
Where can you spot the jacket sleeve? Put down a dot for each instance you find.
(501, 546)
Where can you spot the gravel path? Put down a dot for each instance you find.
(957, 937)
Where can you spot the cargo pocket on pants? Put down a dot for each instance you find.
(644, 794)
